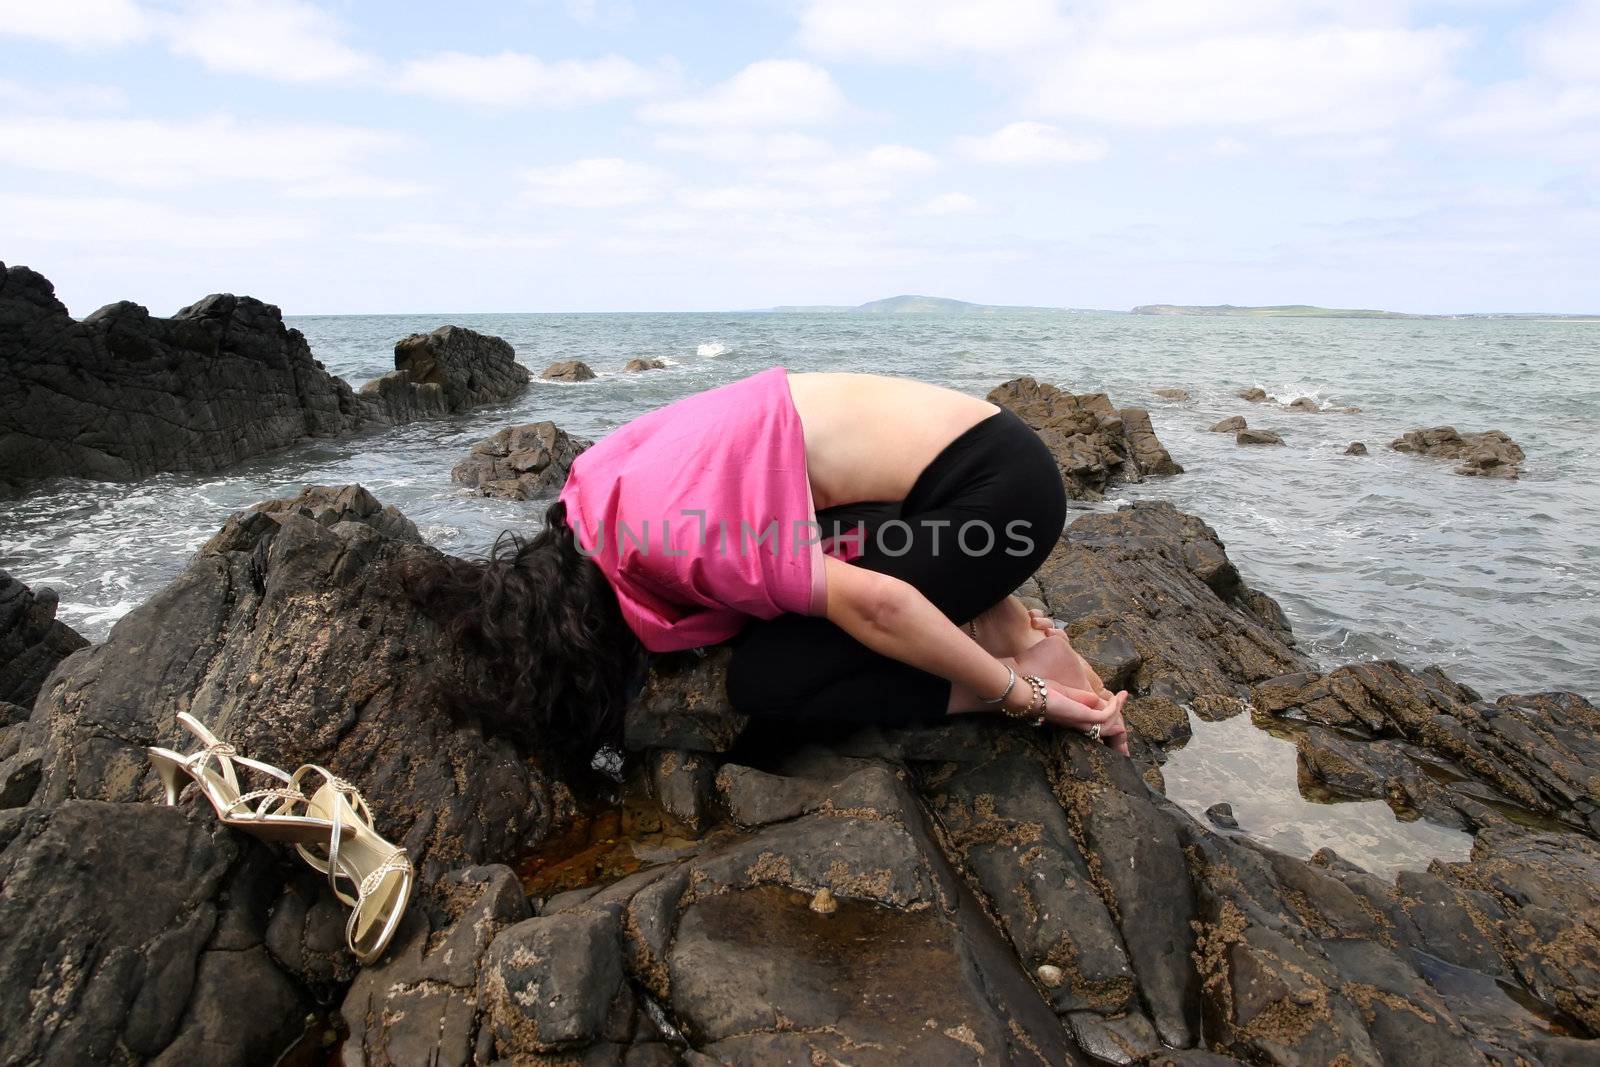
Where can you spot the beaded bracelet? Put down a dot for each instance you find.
(1034, 710)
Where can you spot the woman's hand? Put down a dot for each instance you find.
(1079, 710)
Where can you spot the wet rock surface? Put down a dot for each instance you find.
(635, 365)
(1257, 437)
(1231, 424)
(123, 394)
(1096, 445)
(520, 462)
(974, 892)
(32, 641)
(1491, 453)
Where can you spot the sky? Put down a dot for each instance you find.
(601, 155)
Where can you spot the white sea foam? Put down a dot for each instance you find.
(711, 348)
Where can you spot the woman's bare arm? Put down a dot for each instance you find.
(892, 617)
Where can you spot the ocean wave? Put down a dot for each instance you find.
(711, 348)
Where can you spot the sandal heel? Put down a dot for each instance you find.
(172, 774)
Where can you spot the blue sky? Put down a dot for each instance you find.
(595, 155)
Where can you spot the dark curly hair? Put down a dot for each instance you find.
(559, 661)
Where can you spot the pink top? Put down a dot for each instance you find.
(700, 514)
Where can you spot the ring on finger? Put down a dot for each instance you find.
(1094, 732)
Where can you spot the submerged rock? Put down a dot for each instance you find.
(1231, 424)
(1254, 394)
(1303, 403)
(520, 462)
(1095, 445)
(1491, 453)
(123, 394)
(650, 363)
(1356, 448)
(1257, 437)
(1172, 393)
(572, 370)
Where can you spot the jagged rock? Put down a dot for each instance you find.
(288, 635)
(682, 784)
(684, 705)
(1257, 437)
(905, 968)
(1231, 424)
(520, 462)
(1356, 448)
(420, 1005)
(1491, 453)
(1539, 752)
(135, 933)
(650, 363)
(449, 370)
(32, 641)
(124, 394)
(572, 370)
(1096, 445)
(1172, 393)
(1254, 394)
(1221, 815)
(1160, 582)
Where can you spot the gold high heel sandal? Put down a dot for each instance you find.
(381, 873)
(263, 812)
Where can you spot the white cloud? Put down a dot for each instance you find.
(305, 159)
(909, 30)
(285, 40)
(745, 146)
(1317, 80)
(948, 204)
(25, 98)
(1567, 47)
(443, 235)
(78, 24)
(769, 92)
(103, 221)
(511, 79)
(598, 182)
(1032, 142)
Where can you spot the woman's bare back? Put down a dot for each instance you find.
(868, 436)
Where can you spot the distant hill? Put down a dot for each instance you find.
(910, 305)
(1276, 311)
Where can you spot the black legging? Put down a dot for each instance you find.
(996, 478)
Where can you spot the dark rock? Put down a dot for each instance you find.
(1161, 581)
(1303, 403)
(1356, 448)
(420, 1004)
(551, 982)
(1157, 721)
(646, 364)
(1231, 424)
(685, 705)
(1222, 815)
(520, 462)
(1257, 437)
(1096, 446)
(1254, 394)
(288, 636)
(1172, 393)
(1539, 752)
(572, 370)
(681, 782)
(135, 933)
(32, 641)
(449, 370)
(123, 394)
(1491, 453)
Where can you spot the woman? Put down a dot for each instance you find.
(856, 536)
